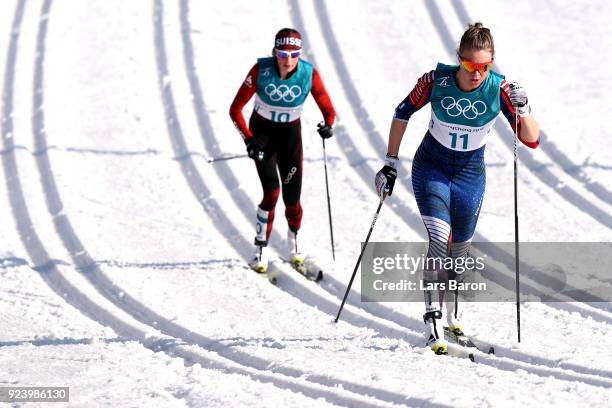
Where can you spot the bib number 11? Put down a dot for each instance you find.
(463, 137)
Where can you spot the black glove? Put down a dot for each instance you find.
(325, 131)
(385, 178)
(254, 149)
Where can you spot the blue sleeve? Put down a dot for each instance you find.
(416, 99)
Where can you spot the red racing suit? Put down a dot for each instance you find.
(282, 143)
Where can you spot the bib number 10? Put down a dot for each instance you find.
(282, 117)
(464, 140)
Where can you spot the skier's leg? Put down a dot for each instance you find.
(268, 176)
(290, 168)
(467, 192)
(264, 217)
(458, 250)
(432, 192)
(434, 273)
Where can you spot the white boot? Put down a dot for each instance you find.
(436, 339)
(454, 325)
(295, 256)
(259, 261)
(433, 314)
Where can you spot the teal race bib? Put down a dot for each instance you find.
(281, 100)
(462, 120)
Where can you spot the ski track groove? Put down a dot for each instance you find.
(547, 146)
(42, 263)
(225, 174)
(507, 136)
(350, 152)
(38, 255)
(409, 216)
(54, 279)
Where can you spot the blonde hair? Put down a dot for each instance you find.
(476, 37)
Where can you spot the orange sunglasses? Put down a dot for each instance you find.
(471, 67)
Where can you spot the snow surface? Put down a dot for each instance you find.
(122, 249)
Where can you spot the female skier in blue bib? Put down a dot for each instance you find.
(273, 139)
(448, 171)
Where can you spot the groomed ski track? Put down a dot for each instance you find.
(230, 180)
(212, 354)
(54, 278)
(224, 172)
(177, 340)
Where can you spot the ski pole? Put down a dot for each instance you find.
(359, 259)
(216, 159)
(516, 231)
(331, 226)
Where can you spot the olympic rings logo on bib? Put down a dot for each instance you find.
(283, 92)
(463, 107)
